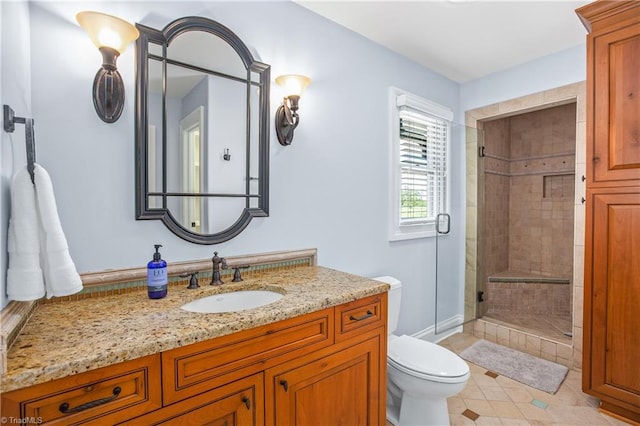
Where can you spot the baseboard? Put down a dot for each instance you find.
(451, 326)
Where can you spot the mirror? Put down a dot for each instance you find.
(202, 130)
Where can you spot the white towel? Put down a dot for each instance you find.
(25, 280)
(60, 275)
(55, 272)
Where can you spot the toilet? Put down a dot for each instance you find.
(420, 375)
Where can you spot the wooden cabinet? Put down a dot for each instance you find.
(342, 388)
(615, 153)
(611, 345)
(613, 93)
(103, 396)
(333, 361)
(344, 384)
(614, 338)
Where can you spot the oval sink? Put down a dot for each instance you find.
(232, 302)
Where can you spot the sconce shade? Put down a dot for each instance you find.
(287, 117)
(293, 84)
(111, 35)
(108, 31)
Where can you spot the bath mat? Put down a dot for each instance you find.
(524, 368)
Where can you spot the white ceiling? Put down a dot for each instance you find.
(462, 39)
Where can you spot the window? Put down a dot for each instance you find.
(420, 134)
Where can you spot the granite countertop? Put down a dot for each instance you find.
(66, 338)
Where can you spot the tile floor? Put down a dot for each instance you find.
(489, 400)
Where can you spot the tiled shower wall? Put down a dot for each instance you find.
(528, 296)
(529, 192)
(497, 183)
(543, 145)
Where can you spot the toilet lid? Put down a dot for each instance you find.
(425, 358)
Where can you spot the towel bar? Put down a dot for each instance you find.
(9, 123)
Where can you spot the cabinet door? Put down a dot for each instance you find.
(612, 298)
(338, 389)
(614, 150)
(240, 403)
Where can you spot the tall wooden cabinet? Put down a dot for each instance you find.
(611, 345)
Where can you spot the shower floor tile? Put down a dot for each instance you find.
(552, 327)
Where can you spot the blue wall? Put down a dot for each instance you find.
(328, 190)
(15, 90)
(551, 71)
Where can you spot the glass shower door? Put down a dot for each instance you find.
(455, 291)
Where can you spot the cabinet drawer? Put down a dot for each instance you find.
(360, 315)
(102, 396)
(197, 368)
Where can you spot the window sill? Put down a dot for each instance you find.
(400, 234)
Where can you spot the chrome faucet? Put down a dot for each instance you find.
(217, 261)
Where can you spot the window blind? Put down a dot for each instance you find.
(423, 165)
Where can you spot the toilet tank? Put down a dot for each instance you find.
(393, 310)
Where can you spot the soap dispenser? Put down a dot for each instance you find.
(157, 276)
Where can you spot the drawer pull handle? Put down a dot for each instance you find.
(285, 385)
(64, 407)
(369, 314)
(247, 402)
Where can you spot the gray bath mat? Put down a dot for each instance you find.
(524, 368)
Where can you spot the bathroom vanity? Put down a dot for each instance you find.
(318, 353)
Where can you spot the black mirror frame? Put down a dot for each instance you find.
(163, 38)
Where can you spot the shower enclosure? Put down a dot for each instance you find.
(524, 226)
(528, 220)
(525, 223)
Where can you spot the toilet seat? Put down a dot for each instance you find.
(426, 360)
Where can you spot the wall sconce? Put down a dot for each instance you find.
(287, 118)
(112, 36)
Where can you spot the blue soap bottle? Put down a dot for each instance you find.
(157, 276)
